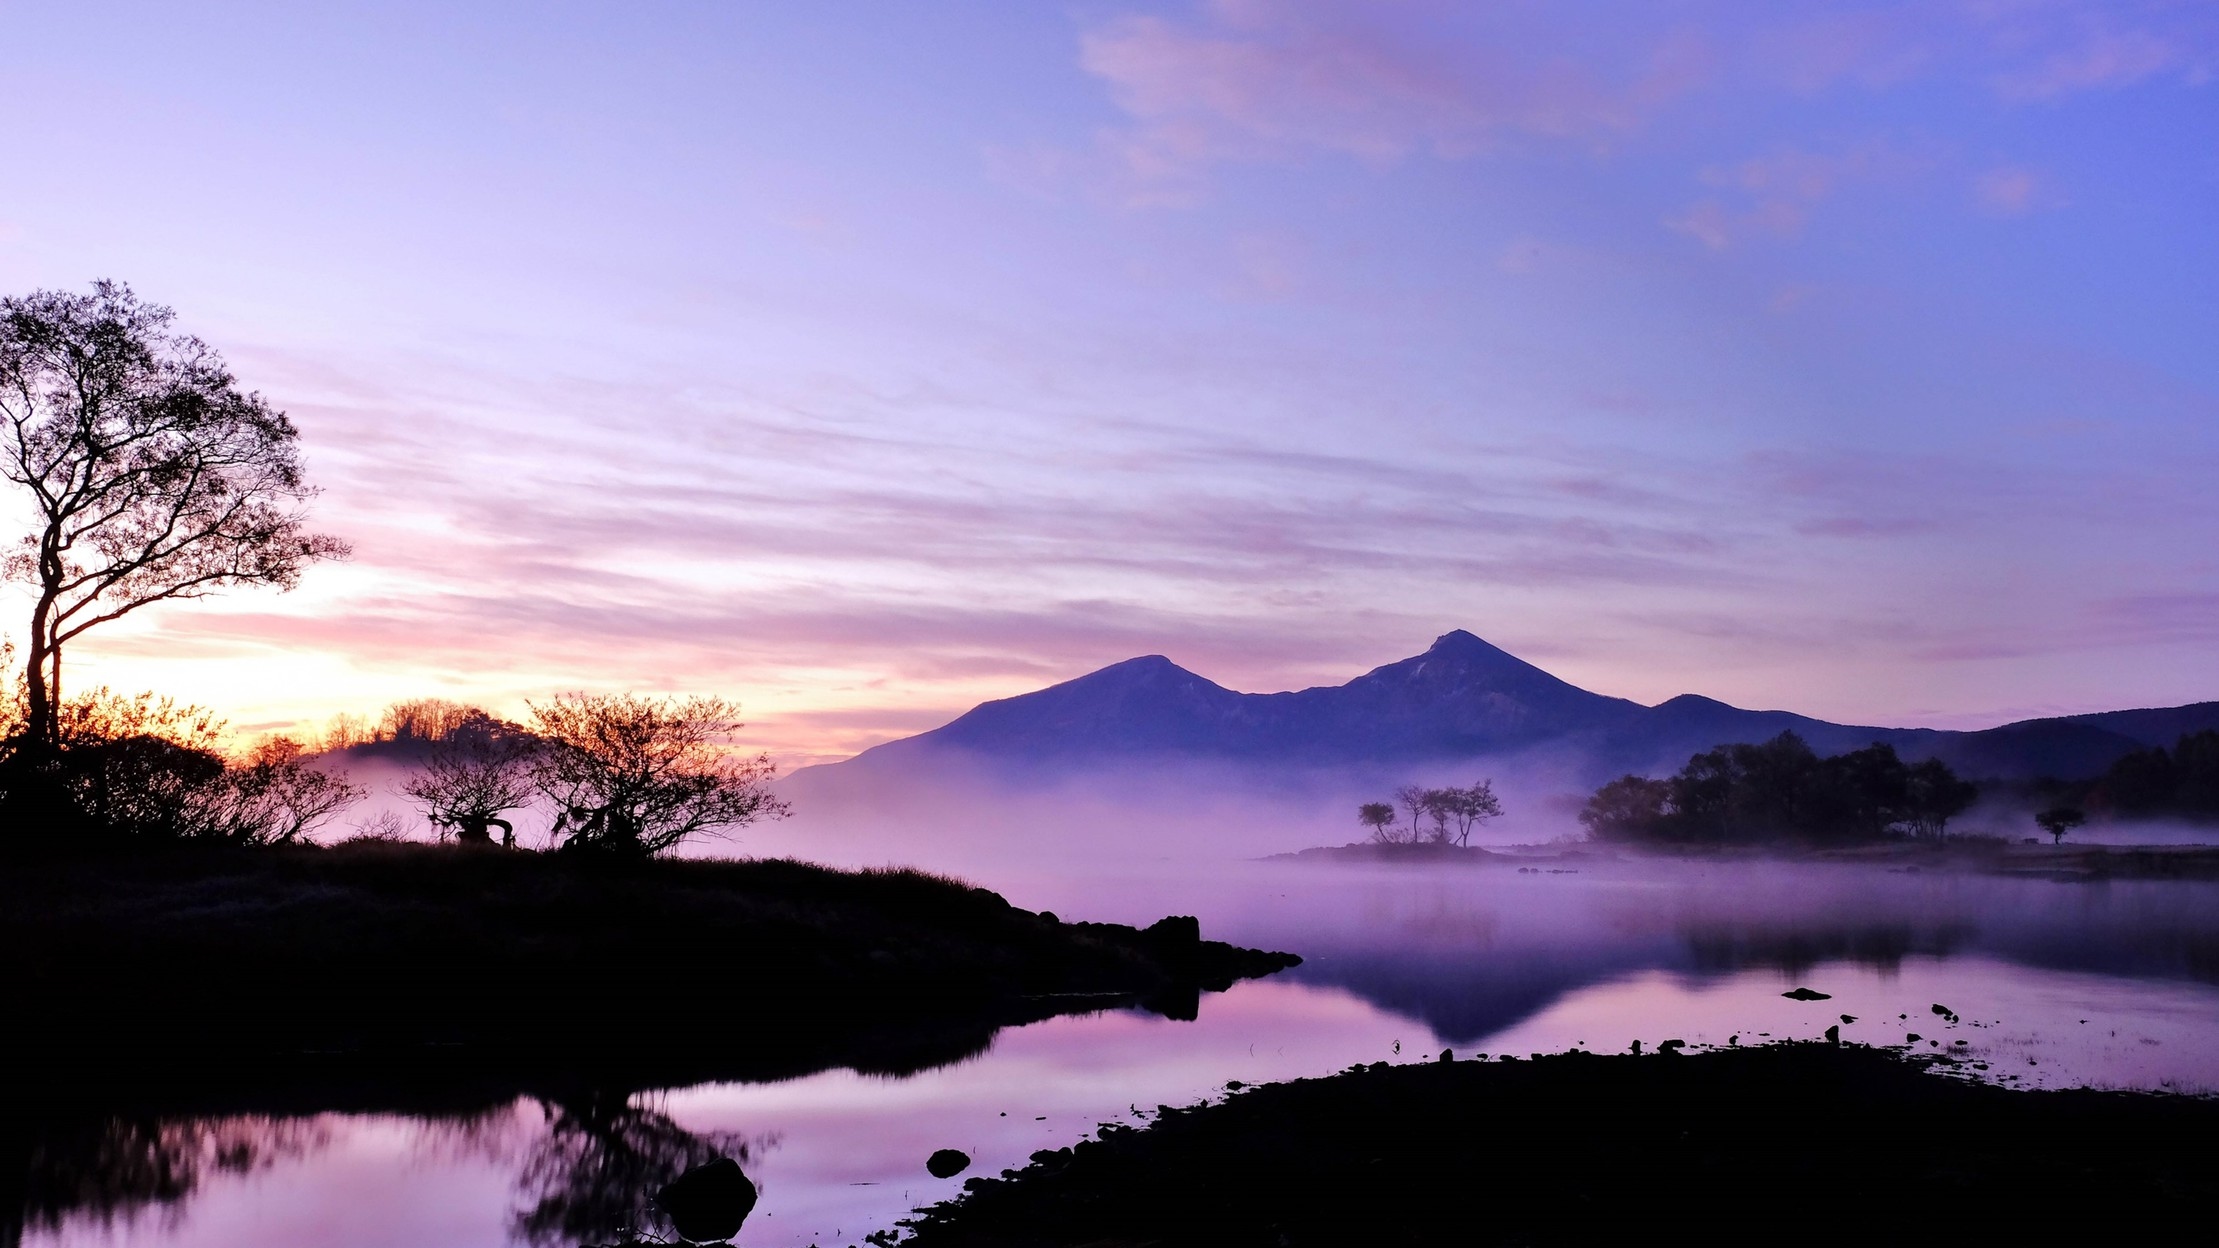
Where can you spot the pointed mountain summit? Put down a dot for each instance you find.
(1461, 699)
(1461, 696)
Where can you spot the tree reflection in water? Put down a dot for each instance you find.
(591, 1178)
(114, 1168)
(588, 1165)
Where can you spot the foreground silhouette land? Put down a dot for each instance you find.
(215, 966)
(1791, 1143)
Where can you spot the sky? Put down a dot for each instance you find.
(863, 361)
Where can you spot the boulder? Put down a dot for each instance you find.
(947, 1163)
(709, 1202)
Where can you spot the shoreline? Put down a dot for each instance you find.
(224, 967)
(1793, 1141)
(2063, 863)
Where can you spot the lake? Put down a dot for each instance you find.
(2044, 984)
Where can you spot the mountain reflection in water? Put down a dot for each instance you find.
(1400, 965)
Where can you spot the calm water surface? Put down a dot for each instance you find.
(2052, 984)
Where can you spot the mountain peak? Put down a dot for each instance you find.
(1458, 641)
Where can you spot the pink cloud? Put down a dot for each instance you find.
(1775, 194)
(1874, 48)
(1375, 82)
(2006, 190)
(2101, 58)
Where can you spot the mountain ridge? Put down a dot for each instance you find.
(1461, 698)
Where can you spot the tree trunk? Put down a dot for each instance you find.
(42, 728)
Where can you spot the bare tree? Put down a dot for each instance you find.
(1416, 802)
(636, 775)
(274, 797)
(1379, 817)
(152, 476)
(1464, 808)
(430, 719)
(470, 778)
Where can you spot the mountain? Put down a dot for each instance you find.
(1461, 699)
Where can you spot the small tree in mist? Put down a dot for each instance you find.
(1464, 809)
(1379, 817)
(2058, 820)
(634, 775)
(1417, 804)
(150, 476)
(472, 776)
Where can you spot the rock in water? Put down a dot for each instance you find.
(1806, 994)
(709, 1202)
(947, 1163)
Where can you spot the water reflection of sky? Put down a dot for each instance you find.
(1400, 966)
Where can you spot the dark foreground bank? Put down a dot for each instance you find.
(1792, 1143)
(201, 962)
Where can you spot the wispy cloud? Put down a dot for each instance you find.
(1774, 195)
(2007, 190)
(1379, 83)
(2094, 54)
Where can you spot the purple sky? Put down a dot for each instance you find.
(862, 361)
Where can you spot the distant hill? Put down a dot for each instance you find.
(1461, 699)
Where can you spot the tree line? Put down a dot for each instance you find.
(146, 474)
(2157, 783)
(1435, 816)
(1782, 790)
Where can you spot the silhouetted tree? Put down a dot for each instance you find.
(2140, 783)
(1630, 808)
(1416, 802)
(473, 775)
(151, 475)
(275, 797)
(1746, 794)
(633, 775)
(1933, 796)
(1377, 816)
(2196, 772)
(2058, 820)
(1464, 809)
(431, 720)
(138, 769)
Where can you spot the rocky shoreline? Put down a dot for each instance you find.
(1801, 1142)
